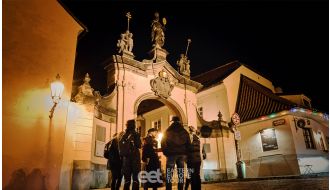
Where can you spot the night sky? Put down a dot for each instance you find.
(286, 41)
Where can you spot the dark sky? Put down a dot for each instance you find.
(287, 41)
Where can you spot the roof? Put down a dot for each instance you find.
(255, 100)
(216, 75)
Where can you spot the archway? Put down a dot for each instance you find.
(155, 112)
(170, 103)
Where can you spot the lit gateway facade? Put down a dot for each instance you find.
(278, 136)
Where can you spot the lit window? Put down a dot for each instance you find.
(157, 125)
(307, 132)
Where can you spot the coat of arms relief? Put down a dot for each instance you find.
(161, 85)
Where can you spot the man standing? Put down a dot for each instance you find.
(114, 163)
(151, 159)
(194, 162)
(175, 144)
(129, 146)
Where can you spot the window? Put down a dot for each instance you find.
(157, 125)
(99, 140)
(307, 132)
(100, 133)
(200, 111)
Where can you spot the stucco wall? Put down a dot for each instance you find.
(259, 163)
(317, 158)
(39, 41)
(222, 156)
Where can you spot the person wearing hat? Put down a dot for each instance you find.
(175, 144)
(150, 158)
(194, 161)
(131, 157)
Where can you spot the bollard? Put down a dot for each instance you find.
(240, 165)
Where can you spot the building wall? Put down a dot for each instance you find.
(282, 161)
(39, 41)
(222, 156)
(318, 158)
(78, 140)
(292, 157)
(232, 83)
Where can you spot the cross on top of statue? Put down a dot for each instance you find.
(125, 42)
(129, 16)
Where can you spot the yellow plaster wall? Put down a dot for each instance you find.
(39, 41)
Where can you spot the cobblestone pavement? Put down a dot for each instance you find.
(316, 183)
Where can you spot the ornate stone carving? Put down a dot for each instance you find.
(157, 32)
(162, 85)
(184, 63)
(184, 66)
(125, 43)
(85, 92)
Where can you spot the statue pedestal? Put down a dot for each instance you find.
(128, 54)
(158, 54)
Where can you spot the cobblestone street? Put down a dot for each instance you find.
(302, 183)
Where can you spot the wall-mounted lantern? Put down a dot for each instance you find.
(56, 88)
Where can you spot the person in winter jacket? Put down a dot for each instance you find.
(175, 144)
(194, 161)
(150, 158)
(131, 160)
(114, 163)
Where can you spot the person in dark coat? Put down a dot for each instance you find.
(150, 158)
(114, 163)
(175, 144)
(194, 162)
(132, 161)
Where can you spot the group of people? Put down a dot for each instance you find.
(178, 145)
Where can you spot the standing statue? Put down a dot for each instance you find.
(125, 43)
(121, 43)
(129, 41)
(184, 65)
(157, 32)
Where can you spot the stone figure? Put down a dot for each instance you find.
(184, 65)
(129, 42)
(157, 32)
(125, 43)
(121, 44)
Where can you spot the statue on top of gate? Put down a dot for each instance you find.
(184, 63)
(157, 32)
(125, 43)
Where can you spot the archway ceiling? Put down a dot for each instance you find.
(149, 105)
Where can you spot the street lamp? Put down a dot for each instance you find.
(56, 88)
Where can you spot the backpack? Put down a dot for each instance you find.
(107, 148)
(125, 145)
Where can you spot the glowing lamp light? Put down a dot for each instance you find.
(159, 139)
(56, 88)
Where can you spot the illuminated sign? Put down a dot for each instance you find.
(279, 122)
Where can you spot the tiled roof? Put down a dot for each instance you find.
(255, 100)
(216, 75)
